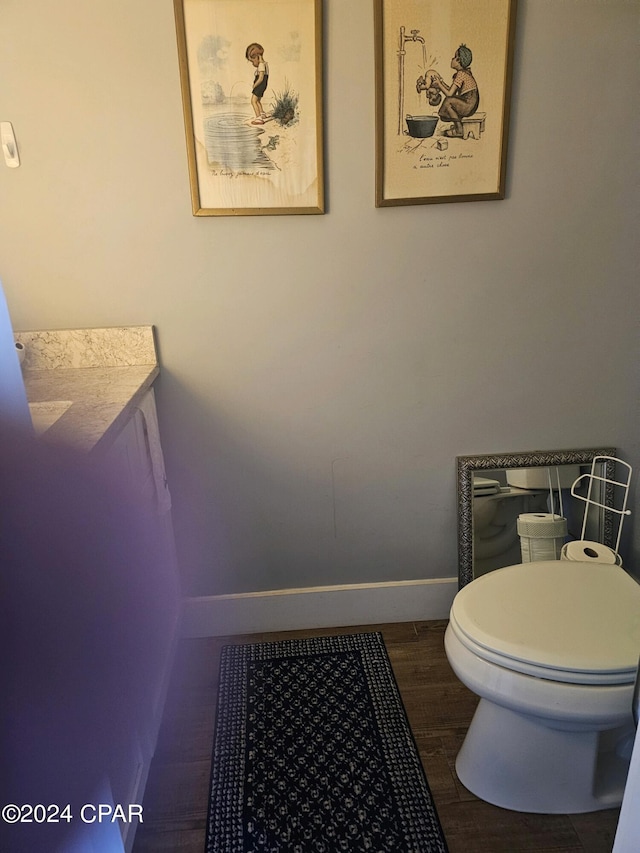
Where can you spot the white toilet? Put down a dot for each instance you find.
(552, 650)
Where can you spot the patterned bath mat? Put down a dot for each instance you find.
(313, 753)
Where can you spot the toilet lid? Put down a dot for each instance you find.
(556, 619)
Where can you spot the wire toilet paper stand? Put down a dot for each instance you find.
(593, 479)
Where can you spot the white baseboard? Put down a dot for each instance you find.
(318, 607)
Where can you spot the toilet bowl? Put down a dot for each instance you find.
(551, 648)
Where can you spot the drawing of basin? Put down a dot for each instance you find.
(421, 126)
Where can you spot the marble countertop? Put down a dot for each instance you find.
(103, 373)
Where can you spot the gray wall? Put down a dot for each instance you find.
(321, 373)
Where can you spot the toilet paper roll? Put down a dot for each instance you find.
(542, 525)
(584, 551)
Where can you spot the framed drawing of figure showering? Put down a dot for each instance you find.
(251, 77)
(443, 90)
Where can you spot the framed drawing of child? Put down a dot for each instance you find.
(251, 78)
(443, 91)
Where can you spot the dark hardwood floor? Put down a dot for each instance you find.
(439, 708)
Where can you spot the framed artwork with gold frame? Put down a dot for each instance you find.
(443, 92)
(251, 79)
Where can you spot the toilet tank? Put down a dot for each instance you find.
(538, 478)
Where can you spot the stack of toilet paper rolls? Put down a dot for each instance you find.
(542, 535)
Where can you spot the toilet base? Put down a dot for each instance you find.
(519, 763)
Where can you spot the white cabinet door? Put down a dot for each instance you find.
(136, 459)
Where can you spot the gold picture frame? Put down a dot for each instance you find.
(443, 93)
(251, 150)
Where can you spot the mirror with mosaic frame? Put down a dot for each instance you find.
(469, 467)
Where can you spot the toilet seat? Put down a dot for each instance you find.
(562, 621)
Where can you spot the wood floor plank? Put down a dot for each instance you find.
(441, 778)
(178, 794)
(439, 709)
(171, 841)
(477, 827)
(596, 830)
(187, 731)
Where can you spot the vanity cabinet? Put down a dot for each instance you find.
(100, 383)
(135, 460)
